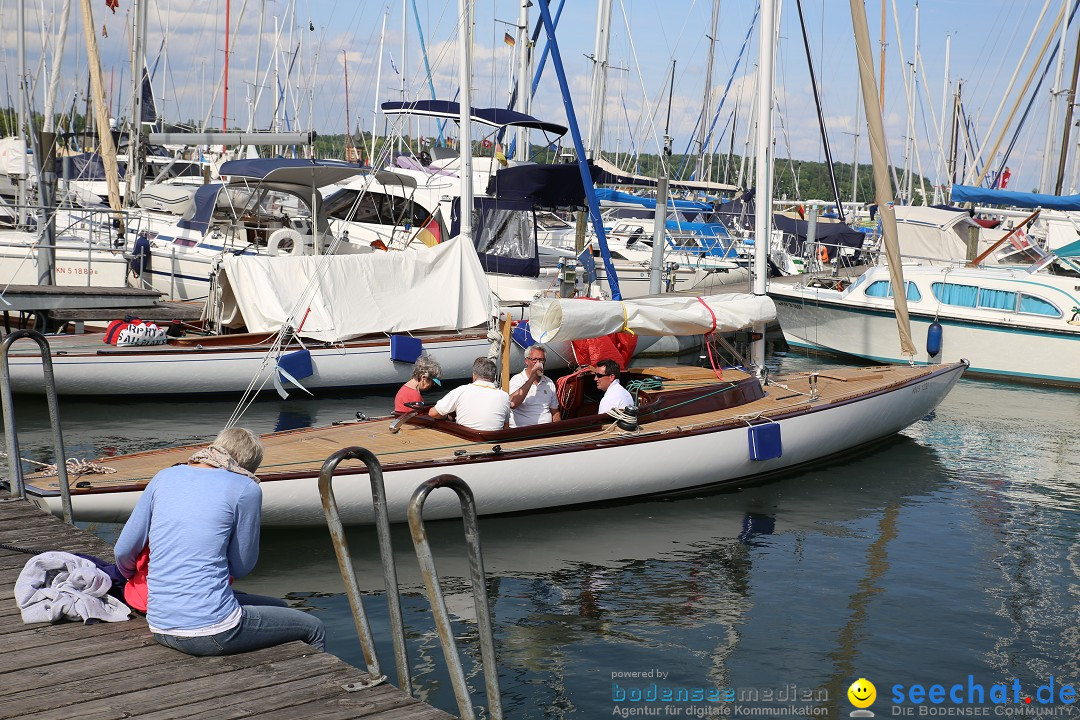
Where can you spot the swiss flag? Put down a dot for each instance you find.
(486, 143)
(1003, 180)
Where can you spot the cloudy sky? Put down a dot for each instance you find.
(988, 42)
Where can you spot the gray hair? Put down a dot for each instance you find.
(426, 365)
(483, 368)
(243, 445)
(528, 352)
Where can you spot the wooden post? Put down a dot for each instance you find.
(505, 373)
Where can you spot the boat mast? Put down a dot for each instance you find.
(944, 109)
(599, 78)
(23, 140)
(764, 171)
(378, 87)
(1068, 118)
(225, 101)
(404, 91)
(138, 72)
(699, 171)
(524, 48)
(465, 209)
(882, 187)
(1051, 116)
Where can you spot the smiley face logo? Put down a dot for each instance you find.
(862, 693)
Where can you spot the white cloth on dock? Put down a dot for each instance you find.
(58, 585)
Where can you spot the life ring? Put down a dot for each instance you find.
(285, 241)
(823, 253)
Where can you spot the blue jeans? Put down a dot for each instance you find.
(265, 622)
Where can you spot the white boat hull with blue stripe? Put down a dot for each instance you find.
(1007, 322)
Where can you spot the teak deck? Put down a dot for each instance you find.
(302, 452)
(116, 670)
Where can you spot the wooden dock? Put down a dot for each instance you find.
(117, 670)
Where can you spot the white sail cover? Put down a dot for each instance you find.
(573, 319)
(438, 288)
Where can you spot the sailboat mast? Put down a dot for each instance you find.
(1068, 117)
(524, 49)
(706, 103)
(465, 210)
(378, 88)
(764, 170)
(23, 140)
(349, 150)
(599, 79)
(1051, 116)
(225, 101)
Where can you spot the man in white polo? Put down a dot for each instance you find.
(481, 405)
(532, 394)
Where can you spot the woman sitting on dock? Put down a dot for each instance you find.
(201, 522)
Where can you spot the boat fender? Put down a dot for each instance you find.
(933, 339)
(285, 241)
(140, 255)
(823, 253)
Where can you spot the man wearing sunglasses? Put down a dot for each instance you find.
(533, 399)
(606, 373)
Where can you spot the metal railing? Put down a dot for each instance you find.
(386, 552)
(15, 473)
(430, 577)
(480, 598)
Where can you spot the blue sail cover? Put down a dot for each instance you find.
(198, 219)
(495, 117)
(987, 196)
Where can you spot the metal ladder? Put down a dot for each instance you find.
(430, 576)
(15, 472)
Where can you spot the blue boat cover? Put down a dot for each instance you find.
(504, 233)
(545, 186)
(987, 196)
(203, 208)
(496, 117)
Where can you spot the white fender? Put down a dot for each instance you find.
(292, 240)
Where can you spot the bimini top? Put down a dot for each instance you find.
(495, 117)
(309, 173)
(987, 196)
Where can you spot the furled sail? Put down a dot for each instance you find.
(568, 319)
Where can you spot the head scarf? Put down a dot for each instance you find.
(216, 456)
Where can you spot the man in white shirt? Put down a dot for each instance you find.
(482, 405)
(606, 373)
(533, 399)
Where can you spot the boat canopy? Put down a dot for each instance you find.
(346, 296)
(288, 171)
(201, 212)
(568, 319)
(987, 196)
(1072, 250)
(504, 235)
(495, 117)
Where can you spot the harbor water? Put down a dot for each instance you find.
(945, 556)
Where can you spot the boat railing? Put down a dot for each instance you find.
(438, 603)
(430, 577)
(15, 472)
(345, 564)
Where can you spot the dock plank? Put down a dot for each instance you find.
(117, 670)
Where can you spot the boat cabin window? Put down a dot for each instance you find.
(1031, 305)
(883, 288)
(954, 294)
(997, 299)
(374, 208)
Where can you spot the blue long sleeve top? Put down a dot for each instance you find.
(202, 525)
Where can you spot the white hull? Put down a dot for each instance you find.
(1008, 345)
(188, 371)
(623, 467)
